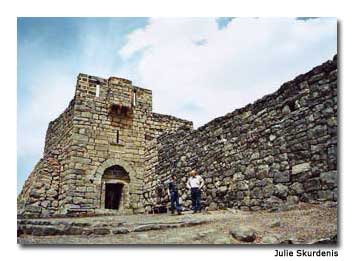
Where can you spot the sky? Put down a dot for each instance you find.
(197, 68)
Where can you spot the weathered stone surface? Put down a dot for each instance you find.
(250, 172)
(275, 223)
(282, 177)
(300, 168)
(212, 206)
(243, 234)
(312, 185)
(146, 227)
(120, 230)
(281, 191)
(222, 241)
(292, 200)
(329, 179)
(270, 239)
(101, 231)
(297, 188)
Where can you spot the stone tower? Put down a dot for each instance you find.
(94, 151)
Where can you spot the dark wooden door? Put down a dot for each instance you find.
(113, 195)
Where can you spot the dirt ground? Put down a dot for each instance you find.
(304, 224)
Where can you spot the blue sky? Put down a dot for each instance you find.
(198, 68)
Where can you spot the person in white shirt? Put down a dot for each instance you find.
(195, 183)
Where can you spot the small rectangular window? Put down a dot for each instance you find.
(117, 137)
(97, 90)
(134, 97)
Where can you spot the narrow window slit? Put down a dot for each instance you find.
(117, 137)
(134, 97)
(97, 90)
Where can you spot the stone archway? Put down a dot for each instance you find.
(124, 181)
(115, 188)
(111, 162)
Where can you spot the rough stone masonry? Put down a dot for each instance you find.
(109, 153)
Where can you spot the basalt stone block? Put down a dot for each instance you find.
(255, 208)
(312, 185)
(36, 193)
(326, 195)
(240, 195)
(300, 168)
(33, 209)
(222, 189)
(262, 171)
(46, 231)
(281, 177)
(260, 183)
(296, 188)
(310, 197)
(250, 172)
(243, 234)
(242, 185)
(268, 190)
(292, 200)
(256, 193)
(329, 179)
(281, 191)
(120, 230)
(101, 231)
(317, 131)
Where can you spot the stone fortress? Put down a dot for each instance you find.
(109, 153)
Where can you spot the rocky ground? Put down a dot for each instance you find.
(302, 224)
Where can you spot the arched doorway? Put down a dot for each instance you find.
(115, 189)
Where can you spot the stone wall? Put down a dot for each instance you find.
(162, 123)
(58, 135)
(40, 193)
(159, 124)
(281, 149)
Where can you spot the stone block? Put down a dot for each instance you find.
(281, 191)
(281, 177)
(262, 171)
(296, 188)
(329, 179)
(312, 185)
(296, 169)
(250, 172)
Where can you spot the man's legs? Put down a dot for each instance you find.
(178, 206)
(173, 207)
(197, 199)
(194, 199)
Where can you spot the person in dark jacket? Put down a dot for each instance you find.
(173, 194)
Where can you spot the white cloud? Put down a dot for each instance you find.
(49, 98)
(244, 61)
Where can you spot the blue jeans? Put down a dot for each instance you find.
(175, 202)
(195, 193)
